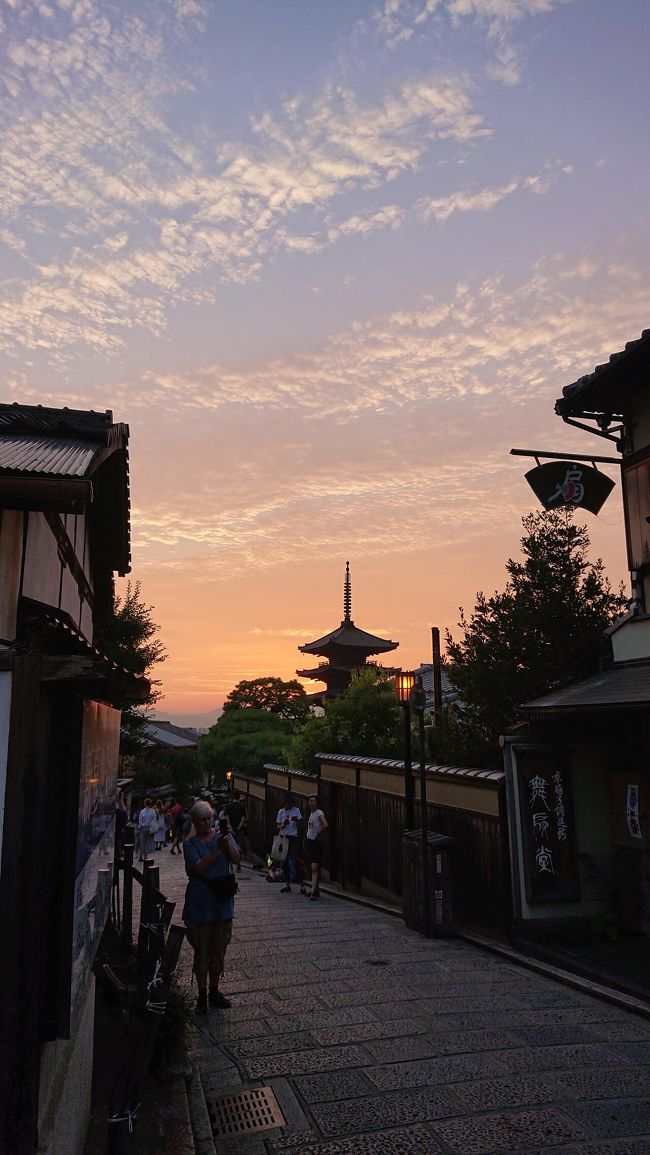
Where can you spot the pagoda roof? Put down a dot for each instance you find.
(350, 637)
(347, 637)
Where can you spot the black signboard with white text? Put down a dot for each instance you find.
(558, 483)
(546, 810)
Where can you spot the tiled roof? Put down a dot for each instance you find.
(41, 448)
(348, 635)
(396, 764)
(449, 691)
(165, 736)
(51, 456)
(41, 419)
(624, 684)
(629, 366)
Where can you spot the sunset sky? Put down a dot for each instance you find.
(330, 260)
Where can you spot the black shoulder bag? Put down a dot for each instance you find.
(224, 887)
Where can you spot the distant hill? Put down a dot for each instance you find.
(196, 721)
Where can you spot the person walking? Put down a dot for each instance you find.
(147, 826)
(177, 827)
(237, 814)
(159, 836)
(209, 902)
(289, 816)
(316, 825)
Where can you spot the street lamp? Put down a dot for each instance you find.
(404, 683)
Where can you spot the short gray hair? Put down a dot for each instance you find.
(201, 810)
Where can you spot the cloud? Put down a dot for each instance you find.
(397, 424)
(397, 21)
(115, 215)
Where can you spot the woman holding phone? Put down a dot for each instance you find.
(209, 901)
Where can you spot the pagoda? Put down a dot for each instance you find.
(346, 649)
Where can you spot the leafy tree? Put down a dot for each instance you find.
(544, 631)
(129, 638)
(245, 739)
(288, 699)
(364, 720)
(155, 768)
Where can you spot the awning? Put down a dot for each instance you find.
(625, 685)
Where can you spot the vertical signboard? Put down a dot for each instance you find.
(546, 812)
(100, 744)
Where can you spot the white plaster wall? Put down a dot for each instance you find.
(11, 545)
(66, 1080)
(42, 565)
(632, 641)
(70, 595)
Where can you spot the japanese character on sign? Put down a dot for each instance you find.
(544, 861)
(540, 824)
(560, 811)
(538, 787)
(571, 489)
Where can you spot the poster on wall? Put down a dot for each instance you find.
(100, 744)
(630, 795)
(546, 813)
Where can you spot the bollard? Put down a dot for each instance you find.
(127, 895)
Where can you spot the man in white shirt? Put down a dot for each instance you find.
(316, 824)
(287, 823)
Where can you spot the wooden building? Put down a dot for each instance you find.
(64, 532)
(579, 772)
(346, 649)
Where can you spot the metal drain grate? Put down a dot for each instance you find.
(245, 1113)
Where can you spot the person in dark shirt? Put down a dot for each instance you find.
(237, 815)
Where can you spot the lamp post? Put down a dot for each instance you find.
(419, 702)
(403, 689)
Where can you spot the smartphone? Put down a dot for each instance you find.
(223, 827)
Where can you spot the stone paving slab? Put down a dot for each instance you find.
(518, 1131)
(383, 1110)
(383, 1043)
(333, 1085)
(318, 1059)
(516, 1091)
(609, 1119)
(558, 1058)
(434, 1072)
(613, 1083)
(415, 1140)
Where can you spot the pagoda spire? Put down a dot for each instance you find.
(347, 596)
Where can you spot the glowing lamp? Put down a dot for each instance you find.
(403, 688)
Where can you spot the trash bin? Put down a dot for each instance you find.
(427, 897)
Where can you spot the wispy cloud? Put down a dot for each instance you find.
(457, 382)
(398, 21)
(114, 214)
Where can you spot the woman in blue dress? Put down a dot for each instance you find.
(209, 855)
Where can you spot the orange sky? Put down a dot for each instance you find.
(329, 262)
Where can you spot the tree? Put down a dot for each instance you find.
(545, 630)
(129, 638)
(245, 739)
(364, 720)
(288, 699)
(155, 768)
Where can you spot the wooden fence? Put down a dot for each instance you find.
(140, 981)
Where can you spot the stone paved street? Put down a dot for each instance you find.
(378, 1042)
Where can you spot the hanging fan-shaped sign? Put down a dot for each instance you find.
(558, 483)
